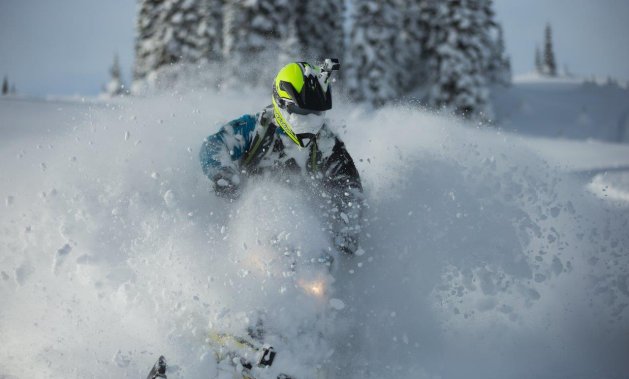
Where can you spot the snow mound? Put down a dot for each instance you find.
(563, 107)
(611, 185)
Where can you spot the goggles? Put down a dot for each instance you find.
(293, 108)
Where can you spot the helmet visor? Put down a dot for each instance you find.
(312, 95)
(294, 108)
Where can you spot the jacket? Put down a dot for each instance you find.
(254, 145)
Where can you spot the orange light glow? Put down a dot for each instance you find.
(316, 288)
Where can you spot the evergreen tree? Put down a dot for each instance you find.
(13, 89)
(5, 85)
(172, 31)
(410, 39)
(212, 29)
(371, 73)
(115, 87)
(291, 49)
(148, 48)
(550, 65)
(539, 65)
(499, 65)
(567, 72)
(492, 47)
(252, 35)
(319, 27)
(456, 55)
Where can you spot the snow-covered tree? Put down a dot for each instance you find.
(409, 41)
(291, 49)
(319, 26)
(13, 90)
(5, 85)
(115, 86)
(371, 73)
(252, 35)
(550, 65)
(172, 31)
(539, 65)
(499, 64)
(212, 29)
(456, 54)
(493, 53)
(148, 45)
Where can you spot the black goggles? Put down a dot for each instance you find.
(294, 108)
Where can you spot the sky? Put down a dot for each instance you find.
(65, 47)
(591, 37)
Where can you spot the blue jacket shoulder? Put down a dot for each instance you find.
(228, 145)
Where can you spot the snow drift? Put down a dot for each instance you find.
(479, 259)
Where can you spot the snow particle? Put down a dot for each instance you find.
(65, 250)
(60, 256)
(122, 360)
(554, 211)
(337, 304)
(169, 198)
(345, 218)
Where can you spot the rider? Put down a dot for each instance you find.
(292, 137)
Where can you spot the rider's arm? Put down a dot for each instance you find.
(221, 153)
(343, 186)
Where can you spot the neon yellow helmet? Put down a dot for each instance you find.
(301, 90)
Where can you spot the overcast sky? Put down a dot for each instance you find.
(65, 47)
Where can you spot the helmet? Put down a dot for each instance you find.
(301, 95)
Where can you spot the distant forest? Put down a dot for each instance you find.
(444, 53)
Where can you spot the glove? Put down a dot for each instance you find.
(227, 183)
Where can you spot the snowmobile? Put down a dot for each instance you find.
(254, 353)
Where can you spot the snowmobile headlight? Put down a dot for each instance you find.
(315, 288)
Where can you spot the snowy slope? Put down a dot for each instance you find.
(564, 108)
(484, 255)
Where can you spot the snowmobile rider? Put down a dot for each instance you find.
(292, 137)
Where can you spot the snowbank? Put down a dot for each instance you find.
(480, 258)
(564, 107)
